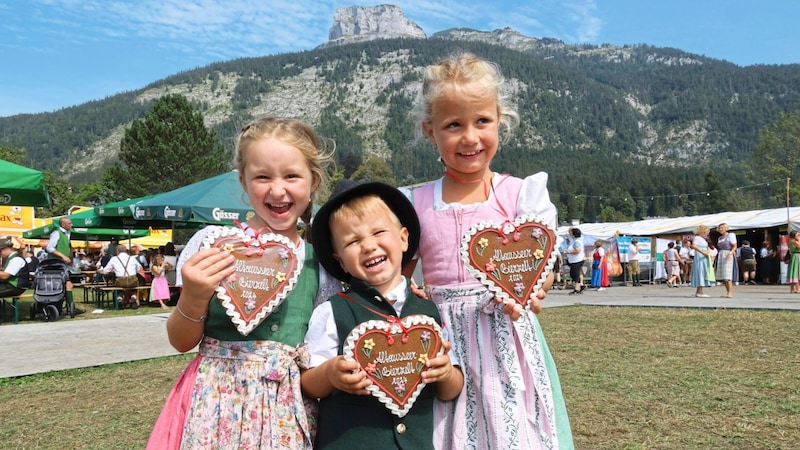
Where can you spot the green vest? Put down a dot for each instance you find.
(287, 323)
(352, 422)
(13, 280)
(63, 244)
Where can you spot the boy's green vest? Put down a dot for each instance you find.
(352, 422)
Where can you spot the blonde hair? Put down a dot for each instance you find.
(158, 259)
(701, 230)
(359, 207)
(452, 75)
(296, 134)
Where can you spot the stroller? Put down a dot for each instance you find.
(50, 290)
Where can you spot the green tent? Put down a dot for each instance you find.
(21, 186)
(215, 200)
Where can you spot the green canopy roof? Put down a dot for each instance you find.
(22, 186)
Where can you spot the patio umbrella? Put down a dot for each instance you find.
(215, 200)
(122, 208)
(90, 218)
(21, 186)
(87, 233)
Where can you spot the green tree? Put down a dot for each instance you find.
(374, 169)
(777, 154)
(13, 155)
(61, 196)
(170, 148)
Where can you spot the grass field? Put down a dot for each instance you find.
(633, 378)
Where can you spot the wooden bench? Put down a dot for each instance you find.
(114, 292)
(14, 303)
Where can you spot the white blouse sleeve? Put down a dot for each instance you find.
(191, 247)
(535, 199)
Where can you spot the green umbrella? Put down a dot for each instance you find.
(122, 208)
(21, 186)
(90, 218)
(87, 234)
(216, 200)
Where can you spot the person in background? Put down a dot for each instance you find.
(672, 263)
(793, 269)
(687, 256)
(159, 288)
(58, 247)
(124, 265)
(14, 279)
(747, 262)
(726, 258)
(768, 266)
(170, 266)
(575, 259)
(701, 266)
(633, 261)
(462, 109)
(598, 266)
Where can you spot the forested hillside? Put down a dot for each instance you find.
(634, 131)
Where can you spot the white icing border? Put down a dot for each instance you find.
(483, 277)
(244, 327)
(382, 325)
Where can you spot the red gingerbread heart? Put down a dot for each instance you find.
(393, 354)
(266, 271)
(512, 259)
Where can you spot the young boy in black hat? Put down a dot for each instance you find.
(363, 236)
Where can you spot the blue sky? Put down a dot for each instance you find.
(60, 53)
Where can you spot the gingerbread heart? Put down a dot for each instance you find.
(512, 259)
(393, 354)
(266, 271)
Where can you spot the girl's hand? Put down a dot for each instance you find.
(204, 271)
(419, 291)
(346, 376)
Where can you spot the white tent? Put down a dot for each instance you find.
(761, 218)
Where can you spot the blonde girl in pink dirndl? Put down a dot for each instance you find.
(243, 392)
(512, 396)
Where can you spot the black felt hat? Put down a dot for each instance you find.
(345, 191)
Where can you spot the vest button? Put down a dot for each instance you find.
(274, 327)
(401, 428)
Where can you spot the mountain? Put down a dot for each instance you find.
(638, 123)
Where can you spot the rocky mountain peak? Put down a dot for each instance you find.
(360, 23)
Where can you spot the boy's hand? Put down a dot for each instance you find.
(347, 376)
(449, 380)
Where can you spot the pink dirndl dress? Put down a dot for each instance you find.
(245, 394)
(159, 288)
(512, 396)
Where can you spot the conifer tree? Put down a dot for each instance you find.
(170, 148)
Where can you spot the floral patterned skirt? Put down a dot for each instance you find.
(512, 396)
(238, 395)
